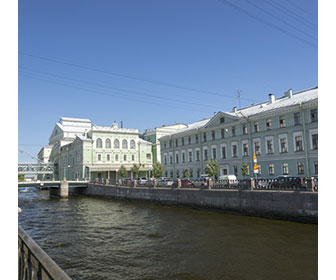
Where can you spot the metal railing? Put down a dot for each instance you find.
(34, 263)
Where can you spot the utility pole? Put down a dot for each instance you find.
(238, 92)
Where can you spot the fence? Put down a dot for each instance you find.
(34, 263)
(259, 184)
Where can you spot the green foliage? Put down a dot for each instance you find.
(135, 170)
(245, 169)
(20, 177)
(122, 172)
(186, 173)
(157, 169)
(212, 167)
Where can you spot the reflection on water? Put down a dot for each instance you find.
(94, 238)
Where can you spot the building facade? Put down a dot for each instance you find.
(282, 132)
(154, 135)
(82, 150)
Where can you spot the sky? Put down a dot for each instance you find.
(151, 62)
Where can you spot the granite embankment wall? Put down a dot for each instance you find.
(289, 205)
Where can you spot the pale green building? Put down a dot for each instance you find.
(82, 150)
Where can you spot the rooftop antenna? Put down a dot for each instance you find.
(238, 92)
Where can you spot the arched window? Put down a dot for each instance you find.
(132, 144)
(99, 143)
(124, 144)
(108, 143)
(116, 144)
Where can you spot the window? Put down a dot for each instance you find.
(256, 126)
(133, 158)
(124, 144)
(233, 131)
(182, 141)
(198, 172)
(282, 122)
(164, 145)
(300, 168)
(234, 150)
(285, 170)
(183, 157)
(108, 144)
(165, 160)
(283, 145)
(298, 143)
(313, 115)
(177, 173)
(235, 170)
(213, 135)
(176, 142)
(204, 137)
(171, 174)
(245, 129)
(99, 143)
(116, 157)
(214, 153)
(170, 144)
(297, 120)
(170, 159)
(257, 147)
(268, 124)
(225, 171)
(166, 173)
(148, 156)
(108, 157)
(223, 152)
(189, 139)
(245, 149)
(314, 139)
(222, 132)
(205, 154)
(116, 144)
(197, 155)
(176, 158)
(99, 157)
(269, 144)
(271, 169)
(196, 139)
(125, 157)
(191, 173)
(316, 167)
(190, 157)
(222, 120)
(132, 144)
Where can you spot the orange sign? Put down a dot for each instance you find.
(254, 156)
(255, 167)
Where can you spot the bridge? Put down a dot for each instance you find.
(38, 183)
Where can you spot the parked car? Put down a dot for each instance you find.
(165, 182)
(186, 183)
(228, 180)
(287, 181)
(262, 183)
(200, 182)
(126, 181)
(142, 180)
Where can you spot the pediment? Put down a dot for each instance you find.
(217, 120)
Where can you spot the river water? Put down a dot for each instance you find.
(96, 238)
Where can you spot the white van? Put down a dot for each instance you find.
(228, 179)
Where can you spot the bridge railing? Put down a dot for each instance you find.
(34, 263)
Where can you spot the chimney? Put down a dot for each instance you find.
(121, 124)
(234, 109)
(271, 98)
(290, 93)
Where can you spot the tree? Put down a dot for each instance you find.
(212, 167)
(135, 170)
(157, 169)
(245, 169)
(186, 173)
(122, 172)
(20, 177)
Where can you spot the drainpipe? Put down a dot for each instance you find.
(304, 141)
(201, 151)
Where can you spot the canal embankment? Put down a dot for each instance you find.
(288, 205)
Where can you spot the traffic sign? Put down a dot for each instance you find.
(254, 156)
(255, 167)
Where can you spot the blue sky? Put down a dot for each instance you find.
(75, 57)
